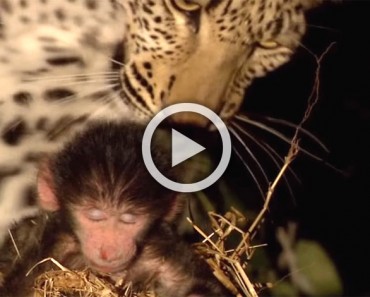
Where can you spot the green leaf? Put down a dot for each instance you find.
(315, 264)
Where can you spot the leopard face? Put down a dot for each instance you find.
(205, 52)
(201, 51)
(59, 68)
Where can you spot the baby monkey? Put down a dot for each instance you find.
(102, 209)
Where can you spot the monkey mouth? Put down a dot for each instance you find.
(111, 269)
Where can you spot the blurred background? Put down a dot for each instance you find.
(332, 208)
(330, 203)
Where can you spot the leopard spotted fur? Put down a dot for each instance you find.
(59, 68)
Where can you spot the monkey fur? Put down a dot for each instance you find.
(101, 209)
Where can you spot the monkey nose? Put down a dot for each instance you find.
(103, 254)
(107, 255)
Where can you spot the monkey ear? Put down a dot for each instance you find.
(176, 208)
(46, 194)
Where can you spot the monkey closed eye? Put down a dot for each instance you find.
(95, 214)
(128, 218)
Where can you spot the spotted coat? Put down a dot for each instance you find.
(64, 63)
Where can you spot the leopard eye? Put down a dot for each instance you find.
(269, 44)
(186, 12)
(186, 5)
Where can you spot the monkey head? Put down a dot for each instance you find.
(104, 193)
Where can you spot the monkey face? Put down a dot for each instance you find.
(108, 236)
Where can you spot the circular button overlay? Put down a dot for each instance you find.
(226, 147)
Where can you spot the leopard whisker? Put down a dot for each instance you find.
(233, 131)
(278, 134)
(111, 95)
(312, 54)
(86, 93)
(323, 28)
(95, 81)
(69, 82)
(117, 62)
(71, 76)
(86, 74)
(273, 151)
(274, 156)
(301, 129)
(105, 100)
(235, 134)
(111, 59)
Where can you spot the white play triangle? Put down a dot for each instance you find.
(183, 148)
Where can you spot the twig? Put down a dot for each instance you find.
(60, 266)
(14, 244)
(229, 269)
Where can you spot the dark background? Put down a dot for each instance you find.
(331, 207)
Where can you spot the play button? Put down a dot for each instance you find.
(183, 148)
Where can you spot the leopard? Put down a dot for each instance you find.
(67, 63)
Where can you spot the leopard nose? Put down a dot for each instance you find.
(189, 118)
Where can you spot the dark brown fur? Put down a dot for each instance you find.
(103, 210)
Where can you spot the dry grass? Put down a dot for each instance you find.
(63, 282)
(230, 264)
